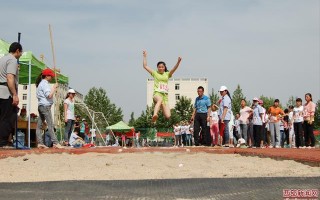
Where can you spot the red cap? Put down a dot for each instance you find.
(48, 72)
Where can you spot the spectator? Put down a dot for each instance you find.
(257, 123)
(108, 138)
(309, 109)
(177, 135)
(137, 139)
(69, 114)
(93, 136)
(9, 99)
(245, 112)
(75, 140)
(214, 125)
(45, 96)
(297, 123)
(291, 131)
(286, 130)
(200, 117)
(225, 114)
(188, 134)
(275, 113)
(231, 126)
(236, 127)
(264, 132)
(83, 129)
(77, 122)
(123, 140)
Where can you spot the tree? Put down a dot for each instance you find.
(132, 120)
(317, 116)
(143, 123)
(291, 101)
(183, 108)
(214, 97)
(98, 101)
(236, 100)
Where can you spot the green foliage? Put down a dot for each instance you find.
(291, 101)
(183, 109)
(144, 121)
(214, 97)
(132, 120)
(97, 100)
(317, 116)
(236, 100)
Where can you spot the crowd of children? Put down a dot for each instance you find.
(258, 127)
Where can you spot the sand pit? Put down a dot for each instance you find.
(134, 166)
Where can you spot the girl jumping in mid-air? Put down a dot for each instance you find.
(160, 89)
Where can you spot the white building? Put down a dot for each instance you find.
(59, 98)
(179, 87)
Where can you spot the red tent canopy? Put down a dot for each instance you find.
(165, 134)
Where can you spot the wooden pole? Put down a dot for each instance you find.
(57, 110)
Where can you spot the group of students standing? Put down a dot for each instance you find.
(275, 127)
(254, 126)
(183, 133)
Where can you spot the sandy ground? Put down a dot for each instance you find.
(133, 166)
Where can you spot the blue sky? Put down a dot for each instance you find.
(269, 47)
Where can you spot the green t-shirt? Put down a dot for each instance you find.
(160, 81)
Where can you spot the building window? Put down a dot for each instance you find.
(177, 86)
(177, 96)
(25, 87)
(24, 106)
(24, 97)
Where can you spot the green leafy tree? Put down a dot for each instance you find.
(214, 97)
(98, 101)
(317, 116)
(132, 120)
(183, 108)
(291, 101)
(236, 100)
(165, 125)
(143, 123)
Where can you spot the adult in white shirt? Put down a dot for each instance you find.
(69, 114)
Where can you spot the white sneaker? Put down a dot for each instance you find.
(278, 147)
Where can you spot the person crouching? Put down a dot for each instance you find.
(75, 140)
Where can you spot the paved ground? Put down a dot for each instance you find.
(226, 188)
(240, 188)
